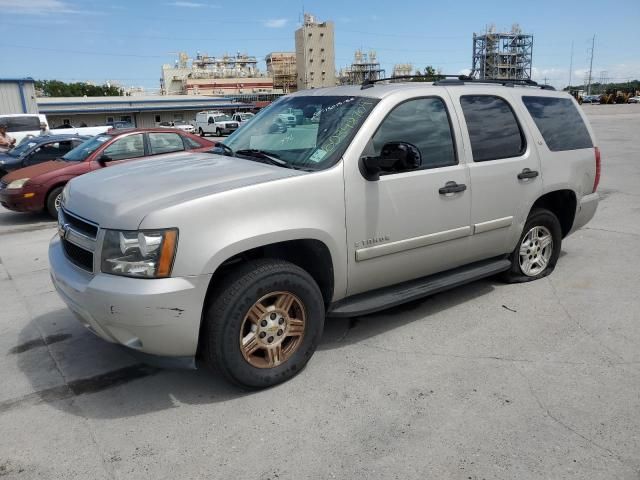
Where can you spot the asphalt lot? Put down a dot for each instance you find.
(488, 381)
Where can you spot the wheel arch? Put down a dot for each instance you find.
(562, 203)
(310, 254)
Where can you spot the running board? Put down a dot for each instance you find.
(387, 297)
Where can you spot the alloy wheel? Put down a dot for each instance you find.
(536, 249)
(272, 330)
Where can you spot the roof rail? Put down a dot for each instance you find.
(460, 80)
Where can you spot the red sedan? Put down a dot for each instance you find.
(39, 187)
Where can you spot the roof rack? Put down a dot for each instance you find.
(460, 80)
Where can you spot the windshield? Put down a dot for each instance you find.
(82, 151)
(21, 149)
(304, 132)
(223, 118)
(180, 122)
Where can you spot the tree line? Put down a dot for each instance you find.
(56, 88)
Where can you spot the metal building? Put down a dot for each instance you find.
(315, 54)
(140, 111)
(17, 95)
(501, 56)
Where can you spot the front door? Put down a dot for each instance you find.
(504, 167)
(404, 226)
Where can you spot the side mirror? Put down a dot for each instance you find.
(210, 121)
(104, 159)
(394, 157)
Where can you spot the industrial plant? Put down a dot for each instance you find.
(501, 56)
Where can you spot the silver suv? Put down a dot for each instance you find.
(381, 194)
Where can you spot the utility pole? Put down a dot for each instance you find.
(571, 64)
(593, 44)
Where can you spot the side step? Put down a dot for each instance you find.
(387, 297)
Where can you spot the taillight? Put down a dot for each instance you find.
(597, 179)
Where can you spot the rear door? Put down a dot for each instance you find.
(504, 168)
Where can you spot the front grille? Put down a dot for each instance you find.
(79, 256)
(78, 238)
(81, 225)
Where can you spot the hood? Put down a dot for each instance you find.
(8, 160)
(34, 170)
(122, 195)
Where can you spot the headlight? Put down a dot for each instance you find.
(146, 254)
(16, 184)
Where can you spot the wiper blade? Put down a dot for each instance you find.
(228, 151)
(262, 155)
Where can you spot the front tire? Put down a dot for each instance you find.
(263, 323)
(53, 201)
(538, 248)
(218, 132)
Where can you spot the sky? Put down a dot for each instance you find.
(127, 41)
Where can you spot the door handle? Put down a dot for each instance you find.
(527, 173)
(452, 187)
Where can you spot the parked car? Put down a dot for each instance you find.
(591, 99)
(634, 100)
(24, 125)
(38, 187)
(180, 124)
(38, 150)
(216, 123)
(120, 124)
(395, 192)
(242, 118)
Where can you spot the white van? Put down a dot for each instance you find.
(24, 125)
(215, 122)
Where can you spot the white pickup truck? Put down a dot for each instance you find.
(24, 125)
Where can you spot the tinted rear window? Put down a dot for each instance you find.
(493, 128)
(559, 123)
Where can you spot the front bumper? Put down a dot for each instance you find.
(152, 316)
(585, 211)
(14, 200)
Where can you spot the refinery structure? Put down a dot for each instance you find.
(502, 56)
(496, 55)
(365, 67)
(281, 66)
(207, 75)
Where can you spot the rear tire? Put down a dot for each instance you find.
(538, 248)
(201, 132)
(263, 323)
(53, 201)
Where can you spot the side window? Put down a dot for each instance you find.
(190, 143)
(165, 143)
(22, 124)
(559, 123)
(493, 128)
(127, 147)
(424, 123)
